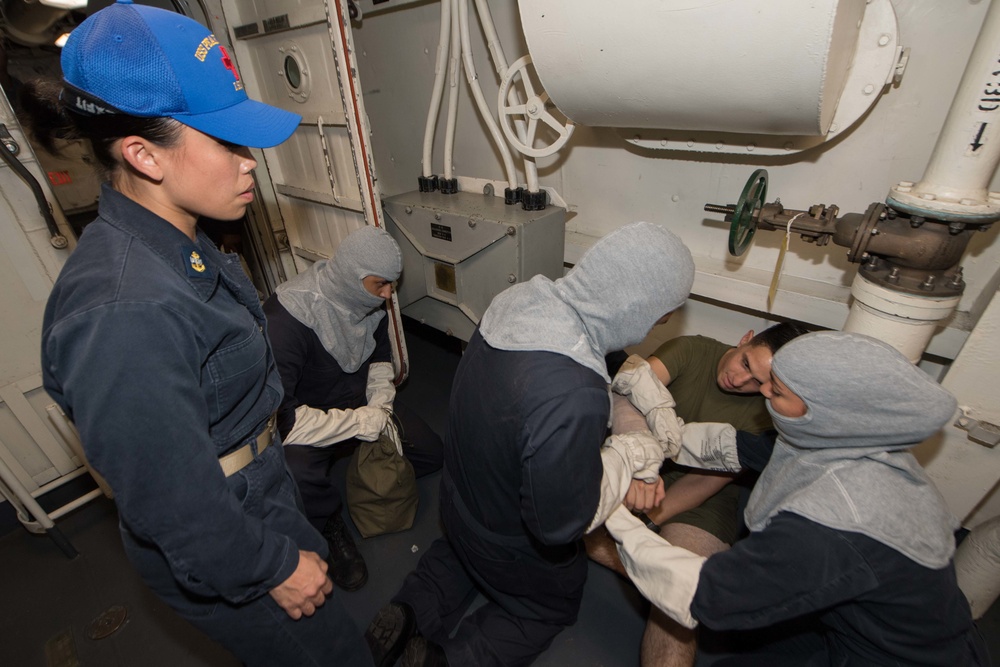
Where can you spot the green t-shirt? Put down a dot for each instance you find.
(693, 364)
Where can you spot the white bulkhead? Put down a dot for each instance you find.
(617, 112)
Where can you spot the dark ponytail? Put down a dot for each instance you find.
(47, 119)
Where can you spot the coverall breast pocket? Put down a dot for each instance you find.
(238, 371)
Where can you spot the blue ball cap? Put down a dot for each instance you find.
(150, 62)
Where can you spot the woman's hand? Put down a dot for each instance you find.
(306, 590)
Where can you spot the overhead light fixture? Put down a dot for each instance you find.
(64, 4)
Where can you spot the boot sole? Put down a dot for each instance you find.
(395, 652)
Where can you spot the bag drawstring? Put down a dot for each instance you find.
(394, 430)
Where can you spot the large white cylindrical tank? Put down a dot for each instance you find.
(749, 66)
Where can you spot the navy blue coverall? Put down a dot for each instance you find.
(155, 347)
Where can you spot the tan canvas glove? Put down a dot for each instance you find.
(666, 575)
(371, 421)
(637, 381)
(625, 456)
(709, 446)
(322, 428)
(380, 391)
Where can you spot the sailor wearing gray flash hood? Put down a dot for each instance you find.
(849, 537)
(846, 465)
(523, 460)
(602, 305)
(329, 332)
(330, 297)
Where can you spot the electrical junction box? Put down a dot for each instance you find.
(461, 250)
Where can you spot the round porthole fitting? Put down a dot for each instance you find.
(294, 72)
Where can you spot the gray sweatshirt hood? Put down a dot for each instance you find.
(331, 299)
(614, 295)
(845, 464)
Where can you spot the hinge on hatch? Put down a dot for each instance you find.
(326, 158)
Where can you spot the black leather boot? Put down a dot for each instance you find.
(423, 653)
(347, 567)
(389, 631)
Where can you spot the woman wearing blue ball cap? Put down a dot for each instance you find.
(154, 341)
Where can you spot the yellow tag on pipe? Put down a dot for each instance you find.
(781, 260)
(777, 273)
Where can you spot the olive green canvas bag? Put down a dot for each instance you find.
(381, 486)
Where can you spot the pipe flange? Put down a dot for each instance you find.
(903, 304)
(909, 197)
(918, 282)
(864, 232)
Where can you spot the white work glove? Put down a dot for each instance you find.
(709, 446)
(666, 575)
(322, 428)
(625, 418)
(625, 456)
(380, 390)
(645, 454)
(637, 381)
(371, 421)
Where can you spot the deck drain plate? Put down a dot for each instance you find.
(107, 623)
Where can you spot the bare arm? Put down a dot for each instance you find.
(641, 495)
(660, 370)
(631, 448)
(689, 492)
(686, 493)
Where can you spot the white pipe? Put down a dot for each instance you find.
(453, 56)
(500, 64)
(440, 70)
(968, 149)
(977, 565)
(905, 321)
(492, 41)
(477, 94)
(954, 188)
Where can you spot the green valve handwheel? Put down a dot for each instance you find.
(744, 223)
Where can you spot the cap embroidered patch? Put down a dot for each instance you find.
(227, 62)
(204, 47)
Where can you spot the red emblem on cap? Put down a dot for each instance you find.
(228, 62)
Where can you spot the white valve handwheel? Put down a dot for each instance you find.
(531, 112)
